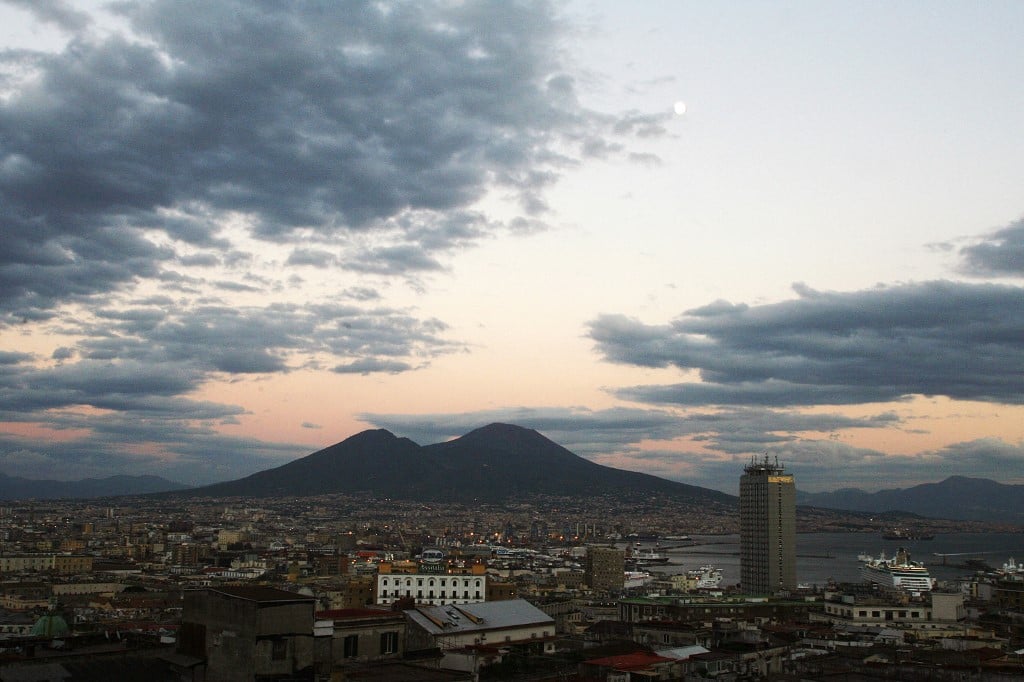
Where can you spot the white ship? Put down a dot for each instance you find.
(707, 577)
(634, 579)
(646, 557)
(898, 573)
(1012, 568)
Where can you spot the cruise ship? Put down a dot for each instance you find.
(898, 573)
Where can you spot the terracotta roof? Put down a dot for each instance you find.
(635, 661)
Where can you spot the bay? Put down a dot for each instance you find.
(824, 556)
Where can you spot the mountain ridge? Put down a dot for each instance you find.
(955, 497)
(18, 488)
(495, 462)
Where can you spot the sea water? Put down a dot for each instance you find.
(824, 556)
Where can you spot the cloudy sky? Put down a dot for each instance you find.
(668, 235)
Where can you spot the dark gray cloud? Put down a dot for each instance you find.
(13, 357)
(240, 340)
(302, 119)
(316, 258)
(176, 449)
(393, 260)
(998, 254)
(964, 341)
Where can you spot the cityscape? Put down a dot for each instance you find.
(184, 586)
(536, 340)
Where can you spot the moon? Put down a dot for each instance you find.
(679, 107)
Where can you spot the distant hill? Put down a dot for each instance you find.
(957, 497)
(17, 488)
(492, 463)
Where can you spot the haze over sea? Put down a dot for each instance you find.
(821, 556)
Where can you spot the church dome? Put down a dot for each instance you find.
(50, 625)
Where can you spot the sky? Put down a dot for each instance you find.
(670, 236)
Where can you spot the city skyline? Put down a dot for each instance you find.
(669, 237)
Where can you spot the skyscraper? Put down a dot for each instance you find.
(767, 529)
(604, 568)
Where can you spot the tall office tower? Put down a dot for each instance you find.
(605, 568)
(767, 529)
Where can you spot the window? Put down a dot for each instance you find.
(388, 642)
(279, 650)
(351, 646)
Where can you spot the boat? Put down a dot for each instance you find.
(646, 557)
(898, 573)
(706, 577)
(634, 579)
(1012, 569)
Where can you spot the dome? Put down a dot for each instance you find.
(50, 625)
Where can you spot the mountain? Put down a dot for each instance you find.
(957, 497)
(17, 488)
(492, 463)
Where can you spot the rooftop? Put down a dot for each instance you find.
(479, 617)
(261, 595)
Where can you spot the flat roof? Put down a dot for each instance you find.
(261, 594)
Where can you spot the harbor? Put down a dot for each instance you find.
(835, 556)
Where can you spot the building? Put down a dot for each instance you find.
(471, 636)
(605, 568)
(704, 609)
(767, 529)
(360, 636)
(249, 633)
(349, 591)
(433, 584)
(935, 614)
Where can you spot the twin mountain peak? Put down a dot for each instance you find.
(493, 463)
